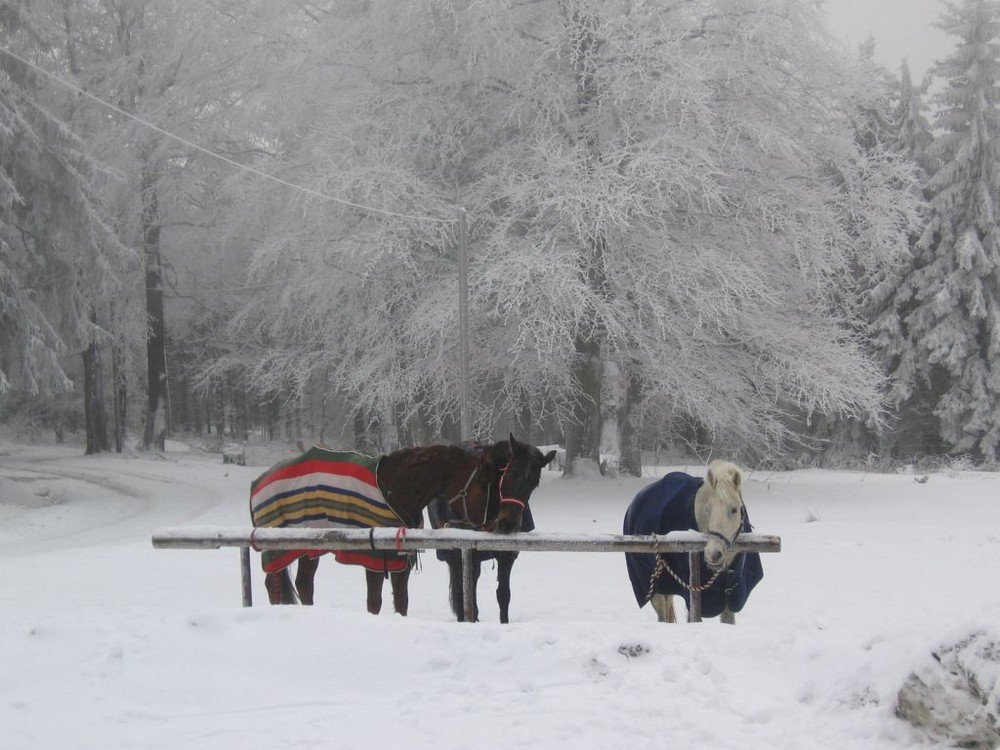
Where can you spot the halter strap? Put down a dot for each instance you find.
(728, 541)
(463, 496)
(514, 500)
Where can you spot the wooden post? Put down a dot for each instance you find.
(245, 576)
(468, 586)
(694, 581)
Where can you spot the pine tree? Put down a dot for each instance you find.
(952, 295)
(59, 257)
(911, 120)
(911, 428)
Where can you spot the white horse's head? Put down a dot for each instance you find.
(718, 510)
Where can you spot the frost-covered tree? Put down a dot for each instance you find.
(951, 297)
(667, 213)
(911, 427)
(912, 123)
(59, 257)
(168, 85)
(878, 122)
(694, 209)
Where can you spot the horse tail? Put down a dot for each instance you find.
(726, 479)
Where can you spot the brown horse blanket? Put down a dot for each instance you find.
(324, 489)
(668, 505)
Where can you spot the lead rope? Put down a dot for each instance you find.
(663, 565)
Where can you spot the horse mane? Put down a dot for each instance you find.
(419, 457)
(725, 478)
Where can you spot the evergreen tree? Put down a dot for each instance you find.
(912, 126)
(59, 257)
(911, 428)
(951, 299)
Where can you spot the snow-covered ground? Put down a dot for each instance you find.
(106, 642)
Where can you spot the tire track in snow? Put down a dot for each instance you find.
(68, 502)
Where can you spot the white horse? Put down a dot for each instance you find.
(715, 508)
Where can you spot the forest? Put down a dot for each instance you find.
(621, 226)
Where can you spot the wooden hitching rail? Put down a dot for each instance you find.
(214, 537)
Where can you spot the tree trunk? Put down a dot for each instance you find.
(584, 435)
(119, 396)
(323, 401)
(631, 434)
(94, 414)
(526, 422)
(156, 354)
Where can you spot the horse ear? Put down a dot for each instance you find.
(547, 459)
(710, 477)
(501, 454)
(511, 441)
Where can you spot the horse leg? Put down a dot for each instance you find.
(272, 582)
(401, 590)
(664, 606)
(455, 594)
(279, 588)
(374, 580)
(304, 578)
(728, 616)
(505, 561)
(477, 566)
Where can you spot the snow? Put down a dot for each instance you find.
(106, 642)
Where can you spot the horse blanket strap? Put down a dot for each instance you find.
(323, 489)
(668, 505)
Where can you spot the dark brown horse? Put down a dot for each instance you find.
(442, 514)
(298, 492)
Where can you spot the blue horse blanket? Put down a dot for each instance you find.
(668, 505)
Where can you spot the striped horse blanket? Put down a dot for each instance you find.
(668, 505)
(324, 489)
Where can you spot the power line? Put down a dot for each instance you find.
(220, 157)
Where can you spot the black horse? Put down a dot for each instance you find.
(441, 515)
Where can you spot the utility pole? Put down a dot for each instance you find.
(463, 323)
(468, 581)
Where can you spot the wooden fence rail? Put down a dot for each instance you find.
(214, 537)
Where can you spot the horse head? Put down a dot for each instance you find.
(517, 469)
(719, 512)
